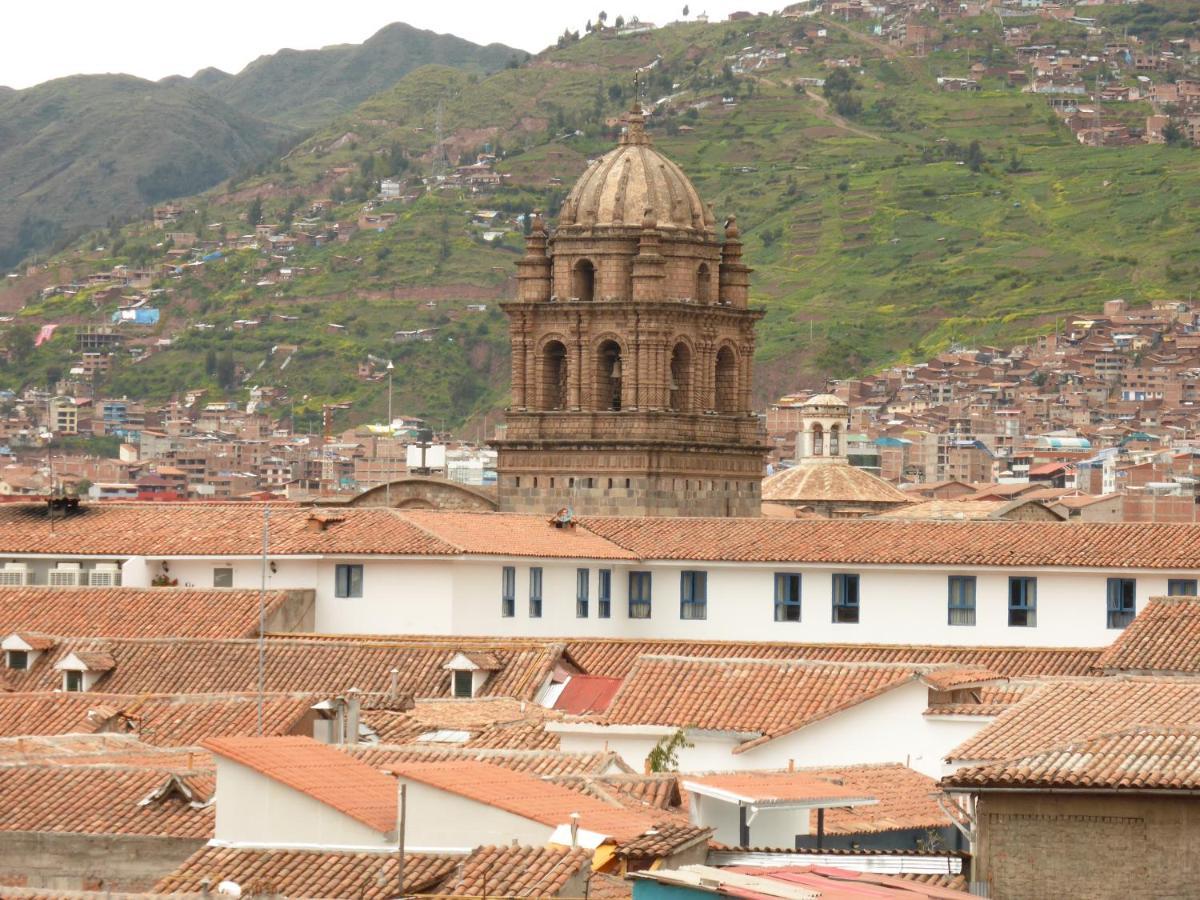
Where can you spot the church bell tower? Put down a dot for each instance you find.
(632, 346)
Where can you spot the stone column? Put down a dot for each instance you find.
(575, 366)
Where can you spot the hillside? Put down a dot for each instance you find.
(877, 231)
(306, 88)
(78, 151)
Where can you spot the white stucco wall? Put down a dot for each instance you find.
(439, 820)
(254, 810)
(890, 728)
(898, 604)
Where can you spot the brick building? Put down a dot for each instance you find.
(632, 342)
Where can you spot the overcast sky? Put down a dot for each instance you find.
(53, 38)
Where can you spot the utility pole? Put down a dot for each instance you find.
(400, 841)
(387, 491)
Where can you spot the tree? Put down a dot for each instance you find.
(664, 757)
(974, 158)
(226, 370)
(254, 212)
(602, 17)
(588, 27)
(685, 11)
(20, 342)
(210, 362)
(1174, 135)
(620, 21)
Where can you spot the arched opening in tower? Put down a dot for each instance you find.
(726, 381)
(554, 375)
(835, 441)
(818, 440)
(703, 284)
(583, 280)
(608, 376)
(681, 378)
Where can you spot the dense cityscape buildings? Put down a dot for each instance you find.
(931, 632)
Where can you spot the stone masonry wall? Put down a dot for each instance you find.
(1095, 846)
(89, 862)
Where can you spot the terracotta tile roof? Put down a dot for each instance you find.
(526, 796)
(1164, 637)
(491, 719)
(830, 482)
(494, 871)
(664, 840)
(517, 871)
(633, 791)
(516, 736)
(538, 763)
(310, 873)
(990, 700)
(587, 694)
(334, 778)
(96, 800)
(763, 699)
(1129, 760)
(878, 541)
(906, 800)
(614, 657)
(133, 612)
(295, 664)
(609, 887)
(954, 677)
(948, 509)
(1064, 712)
(91, 660)
(512, 534)
(188, 529)
(761, 788)
(161, 720)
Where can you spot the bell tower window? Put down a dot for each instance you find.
(583, 280)
(608, 376)
(681, 378)
(554, 375)
(703, 284)
(726, 381)
(835, 441)
(818, 441)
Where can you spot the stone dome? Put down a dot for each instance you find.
(635, 185)
(825, 400)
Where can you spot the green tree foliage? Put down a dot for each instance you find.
(664, 756)
(254, 212)
(974, 157)
(839, 91)
(226, 370)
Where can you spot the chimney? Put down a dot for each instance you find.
(574, 830)
(395, 692)
(791, 765)
(204, 886)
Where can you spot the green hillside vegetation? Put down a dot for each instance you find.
(306, 88)
(886, 219)
(77, 152)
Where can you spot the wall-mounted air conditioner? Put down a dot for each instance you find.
(15, 574)
(65, 574)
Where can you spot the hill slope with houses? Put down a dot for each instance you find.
(899, 192)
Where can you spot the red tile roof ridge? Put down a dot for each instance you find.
(915, 667)
(329, 776)
(715, 642)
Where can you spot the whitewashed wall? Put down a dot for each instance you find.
(256, 811)
(769, 828)
(890, 728)
(898, 605)
(439, 820)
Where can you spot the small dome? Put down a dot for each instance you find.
(635, 185)
(825, 400)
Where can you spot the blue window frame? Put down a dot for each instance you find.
(582, 577)
(1181, 587)
(1122, 602)
(535, 592)
(845, 598)
(693, 595)
(348, 581)
(639, 595)
(960, 603)
(508, 592)
(787, 596)
(604, 593)
(1022, 602)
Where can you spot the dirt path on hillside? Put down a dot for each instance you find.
(823, 111)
